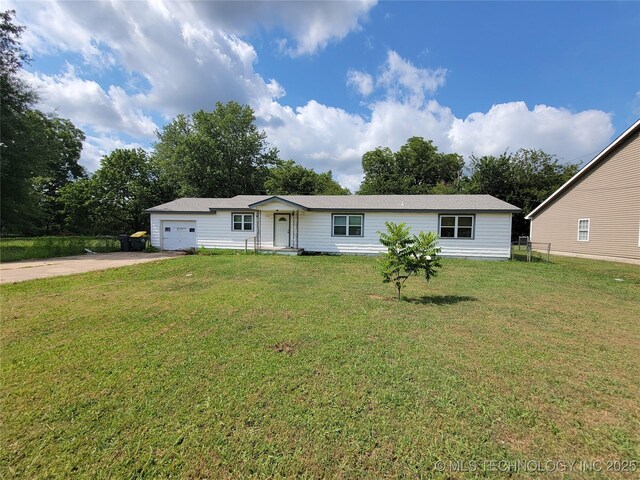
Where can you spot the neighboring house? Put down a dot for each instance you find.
(477, 226)
(596, 214)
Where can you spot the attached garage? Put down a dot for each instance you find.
(178, 235)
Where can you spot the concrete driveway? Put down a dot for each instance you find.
(52, 267)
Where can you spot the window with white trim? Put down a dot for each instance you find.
(583, 229)
(457, 226)
(347, 225)
(242, 222)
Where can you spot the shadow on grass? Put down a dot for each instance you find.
(441, 299)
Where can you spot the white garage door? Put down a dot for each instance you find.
(178, 235)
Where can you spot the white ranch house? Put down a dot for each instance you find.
(469, 226)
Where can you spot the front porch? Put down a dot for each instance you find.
(277, 226)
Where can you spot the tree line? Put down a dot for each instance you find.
(524, 178)
(45, 190)
(219, 153)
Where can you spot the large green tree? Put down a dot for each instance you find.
(78, 200)
(382, 174)
(61, 143)
(39, 153)
(214, 154)
(289, 178)
(18, 161)
(115, 197)
(417, 168)
(525, 179)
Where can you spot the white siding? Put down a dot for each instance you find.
(266, 229)
(213, 230)
(492, 234)
(492, 237)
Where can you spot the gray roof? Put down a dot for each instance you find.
(204, 205)
(436, 203)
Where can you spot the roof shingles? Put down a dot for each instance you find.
(438, 203)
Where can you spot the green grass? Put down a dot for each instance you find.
(263, 365)
(23, 248)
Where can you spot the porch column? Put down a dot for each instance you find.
(259, 229)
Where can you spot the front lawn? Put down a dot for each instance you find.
(24, 248)
(242, 365)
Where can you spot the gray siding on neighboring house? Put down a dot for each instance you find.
(609, 196)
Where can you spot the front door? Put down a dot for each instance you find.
(281, 230)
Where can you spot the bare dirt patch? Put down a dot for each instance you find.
(288, 348)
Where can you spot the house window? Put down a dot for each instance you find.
(242, 222)
(583, 229)
(347, 225)
(457, 226)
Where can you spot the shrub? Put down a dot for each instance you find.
(408, 255)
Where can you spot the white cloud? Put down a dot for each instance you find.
(312, 25)
(406, 82)
(189, 63)
(315, 24)
(190, 54)
(321, 136)
(362, 82)
(399, 80)
(88, 104)
(193, 54)
(326, 137)
(513, 125)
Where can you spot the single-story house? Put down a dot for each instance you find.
(476, 226)
(596, 214)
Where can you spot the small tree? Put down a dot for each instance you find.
(408, 255)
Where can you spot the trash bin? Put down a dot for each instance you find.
(125, 243)
(138, 243)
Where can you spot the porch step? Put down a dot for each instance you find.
(282, 251)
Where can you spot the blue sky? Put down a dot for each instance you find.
(329, 81)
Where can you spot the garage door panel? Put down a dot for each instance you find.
(178, 235)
